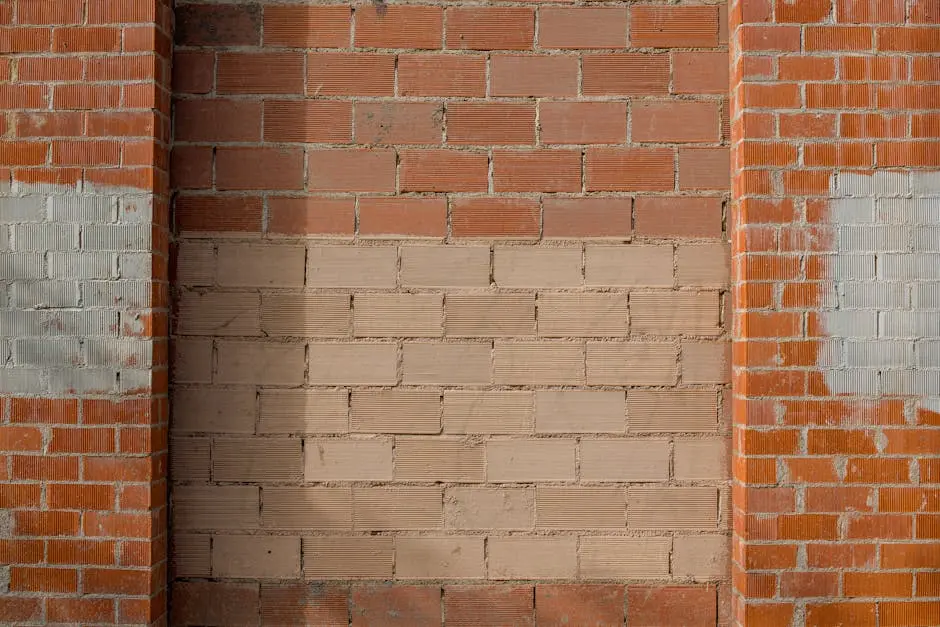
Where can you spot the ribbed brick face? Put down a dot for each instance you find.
(451, 309)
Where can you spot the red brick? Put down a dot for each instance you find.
(577, 218)
(490, 123)
(218, 25)
(69, 96)
(80, 610)
(700, 72)
(116, 581)
(191, 167)
(82, 440)
(674, 605)
(23, 153)
(107, 12)
(399, 123)
(627, 74)
(15, 609)
(217, 120)
(311, 215)
(259, 168)
(218, 214)
(22, 39)
(43, 468)
(674, 26)
(20, 439)
(403, 217)
(573, 28)
(40, 410)
(304, 604)
(806, 69)
(37, 579)
(908, 39)
(193, 71)
(469, 606)
(313, 121)
(357, 170)
(21, 551)
(490, 28)
(878, 584)
(704, 169)
(55, 12)
(665, 217)
(117, 525)
(824, 615)
(568, 604)
(537, 171)
(24, 96)
(838, 38)
(46, 523)
(441, 75)
(395, 605)
(260, 73)
(822, 555)
(97, 39)
(583, 122)
(674, 121)
(862, 11)
(513, 218)
(124, 123)
(629, 169)
(350, 74)
(213, 603)
(50, 69)
(68, 152)
(80, 496)
(307, 26)
(533, 75)
(802, 10)
(808, 584)
(839, 499)
(399, 27)
(80, 552)
(807, 125)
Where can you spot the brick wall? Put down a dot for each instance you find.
(836, 182)
(450, 313)
(83, 310)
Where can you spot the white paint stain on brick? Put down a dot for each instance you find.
(74, 273)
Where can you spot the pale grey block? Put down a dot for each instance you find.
(926, 183)
(830, 355)
(914, 211)
(6, 356)
(135, 209)
(878, 184)
(926, 295)
(82, 380)
(43, 237)
(910, 382)
(45, 294)
(116, 237)
(88, 209)
(21, 381)
(129, 353)
(828, 294)
(4, 237)
(852, 210)
(4, 295)
(927, 239)
(135, 266)
(921, 266)
(856, 381)
(852, 267)
(874, 295)
(84, 323)
(133, 380)
(879, 354)
(47, 352)
(22, 266)
(21, 323)
(909, 324)
(30, 208)
(875, 238)
(850, 323)
(81, 265)
(126, 294)
(928, 353)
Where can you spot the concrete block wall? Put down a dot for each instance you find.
(451, 313)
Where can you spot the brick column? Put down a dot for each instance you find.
(83, 310)
(835, 188)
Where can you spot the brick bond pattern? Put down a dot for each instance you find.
(83, 310)
(450, 308)
(836, 468)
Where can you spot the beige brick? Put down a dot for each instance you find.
(520, 557)
(306, 315)
(634, 265)
(537, 266)
(189, 555)
(218, 313)
(489, 508)
(701, 459)
(703, 265)
(210, 410)
(467, 411)
(336, 557)
(725, 507)
(260, 265)
(672, 508)
(256, 557)
(446, 364)
(396, 411)
(674, 313)
(590, 315)
(451, 557)
(530, 460)
(625, 460)
(191, 459)
(195, 263)
(394, 315)
(489, 315)
(304, 411)
(353, 363)
(580, 411)
(352, 266)
(423, 459)
(257, 459)
(706, 362)
(216, 507)
(260, 363)
(307, 508)
(632, 363)
(398, 508)
(580, 508)
(192, 361)
(619, 557)
(445, 266)
(538, 363)
(672, 411)
(701, 557)
(348, 460)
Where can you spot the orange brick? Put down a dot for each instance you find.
(701, 72)
(443, 171)
(803, 11)
(674, 26)
(399, 27)
(441, 75)
(764, 37)
(808, 125)
(583, 28)
(537, 171)
(626, 74)
(862, 11)
(806, 69)
(37, 579)
(491, 123)
(408, 217)
(490, 28)
(629, 169)
(838, 38)
(514, 218)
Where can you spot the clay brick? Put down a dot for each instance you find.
(303, 411)
(217, 313)
(490, 28)
(590, 315)
(580, 508)
(312, 121)
(704, 169)
(191, 459)
(446, 364)
(530, 460)
(260, 73)
(586, 218)
(307, 508)
(396, 411)
(257, 363)
(700, 72)
(348, 460)
(216, 507)
(533, 267)
(624, 460)
(468, 606)
(441, 75)
(691, 313)
(336, 557)
(306, 315)
(212, 602)
(583, 27)
(675, 121)
(443, 171)
(703, 265)
(261, 557)
(537, 171)
(221, 25)
(706, 362)
(190, 555)
(350, 74)
(527, 75)
(489, 508)
(564, 604)
(625, 74)
(395, 606)
(633, 363)
(685, 605)
(579, 411)
(487, 412)
(700, 557)
(259, 460)
(666, 217)
(306, 604)
(398, 508)
(490, 123)
(629, 169)
(398, 218)
(672, 508)
(538, 363)
(359, 363)
(511, 218)
(68, 610)
(399, 123)
(438, 460)
(388, 315)
(672, 411)
(674, 26)
(359, 170)
(519, 557)
(583, 122)
(700, 460)
(399, 27)
(445, 266)
(258, 168)
(647, 265)
(451, 557)
(193, 73)
(620, 557)
(347, 266)
(307, 26)
(489, 315)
